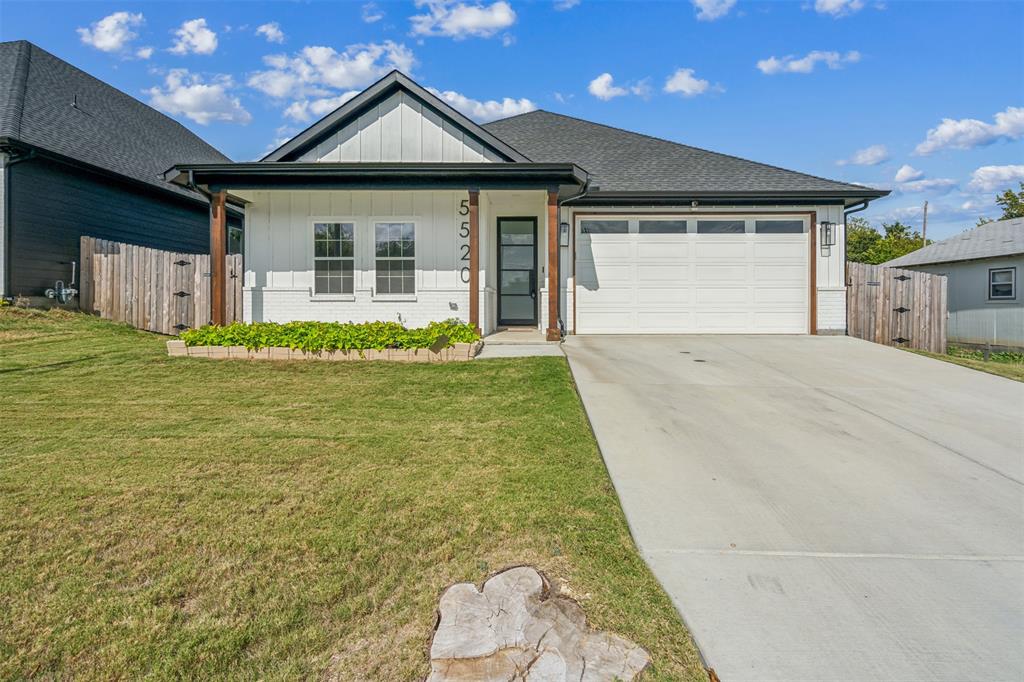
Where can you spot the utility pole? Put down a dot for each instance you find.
(924, 226)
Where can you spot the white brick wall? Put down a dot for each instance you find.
(832, 309)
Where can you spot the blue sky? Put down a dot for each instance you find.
(926, 98)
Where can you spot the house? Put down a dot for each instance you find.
(982, 267)
(397, 207)
(79, 157)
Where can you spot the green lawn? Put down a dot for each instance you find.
(196, 518)
(1009, 365)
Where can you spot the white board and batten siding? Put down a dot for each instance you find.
(703, 283)
(279, 256)
(401, 128)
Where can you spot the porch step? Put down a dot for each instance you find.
(517, 337)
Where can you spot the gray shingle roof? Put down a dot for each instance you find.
(623, 161)
(991, 240)
(107, 128)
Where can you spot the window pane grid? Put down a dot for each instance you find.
(395, 250)
(333, 258)
(1002, 284)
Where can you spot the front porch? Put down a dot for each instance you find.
(489, 256)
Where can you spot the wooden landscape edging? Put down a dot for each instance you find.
(455, 353)
(159, 291)
(896, 307)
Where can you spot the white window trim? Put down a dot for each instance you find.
(1013, 285)
(311, 234)
(385, 298)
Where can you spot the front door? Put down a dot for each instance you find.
(517, 271)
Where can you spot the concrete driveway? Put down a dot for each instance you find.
(820, 508)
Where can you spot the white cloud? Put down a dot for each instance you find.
(709, 10)
(372, 13)
(604, 88)
(113, 32)
(144, 52)
(869, 156)
(908, 173)
(271, 31)
(933, 185)
(483, 111)
(790, 64)
(459, 20)
(194, 37)
(562, 5)
(305, 110)
(996, 178)
(314, 70)
(967, 133)
(686, 84)
(838, 8)
(185, 94)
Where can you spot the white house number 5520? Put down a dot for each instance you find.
(463, 244)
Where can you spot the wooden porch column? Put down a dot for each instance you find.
(218, 253)
(474, 259)
(553, 332)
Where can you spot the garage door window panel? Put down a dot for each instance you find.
(662, 227)
(604, 227)
(721, 227)
(779, 226)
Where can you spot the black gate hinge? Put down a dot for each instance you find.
(181, 294)
(182, 262)
(902, 278)
(901, 309)
(900, 339)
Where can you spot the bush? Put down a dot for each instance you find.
(313, 337)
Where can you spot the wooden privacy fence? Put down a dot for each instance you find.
(896, 307)
(160, 291)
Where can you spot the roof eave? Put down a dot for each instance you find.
(285, 175)
(845, 197)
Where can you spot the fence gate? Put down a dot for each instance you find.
(160, 291)
(896, 307)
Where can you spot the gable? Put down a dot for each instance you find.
(395, 120)
(401, 128)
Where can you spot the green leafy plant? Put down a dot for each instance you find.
(313, 337)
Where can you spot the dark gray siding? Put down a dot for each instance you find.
(52, 205)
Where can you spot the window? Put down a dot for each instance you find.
(604, 226)
(779, 226)
(333, 266)
(1002, 284)
(662, 227)
(721, 227)
(395, 245)
(236, 240)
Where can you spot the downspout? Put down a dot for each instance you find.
(582, 192)
(857, 208)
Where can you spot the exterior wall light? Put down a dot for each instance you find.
(563, 234)
(828, 237)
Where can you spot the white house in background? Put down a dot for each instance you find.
(982, 268)
(397, 207)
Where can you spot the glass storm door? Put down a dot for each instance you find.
(517, 271)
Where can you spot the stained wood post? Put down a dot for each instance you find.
(474, 259)
(218, 252)
(553, 333)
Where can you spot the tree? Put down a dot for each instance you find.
(860, 237)
(865, 245)
(1012, 204)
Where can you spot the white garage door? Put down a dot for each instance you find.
(698, 275)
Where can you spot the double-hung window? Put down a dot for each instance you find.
(395, 251)
(333, 262)
(1002, 284)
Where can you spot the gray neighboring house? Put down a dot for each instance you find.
(79, 157)
(983, 267)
